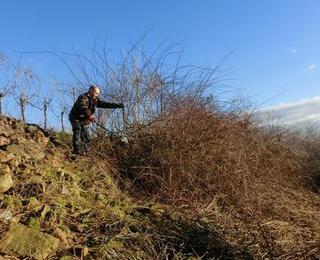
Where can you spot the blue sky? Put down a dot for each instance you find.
(276, 43)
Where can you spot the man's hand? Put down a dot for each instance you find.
(92, 118)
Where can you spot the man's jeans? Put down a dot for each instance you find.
(81, 135)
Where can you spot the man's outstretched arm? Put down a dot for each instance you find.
(104, 104)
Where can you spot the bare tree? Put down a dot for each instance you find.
(29, 87)
(9, 76)
(148, 84)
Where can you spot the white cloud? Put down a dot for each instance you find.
(302, 111)
(296, 104)
(312, 66)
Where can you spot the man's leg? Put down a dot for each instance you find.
(76, 137)
(86, 136)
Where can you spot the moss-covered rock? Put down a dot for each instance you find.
(6, 181)
(27, 149)
(28, 242)
(36, 134)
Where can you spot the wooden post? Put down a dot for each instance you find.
(23, 102)
(1, 96)
(61, 118)
(45, 112)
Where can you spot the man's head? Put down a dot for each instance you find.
(94, 92)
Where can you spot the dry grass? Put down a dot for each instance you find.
(258, 186)
(187, 178)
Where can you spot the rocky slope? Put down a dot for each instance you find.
(56, 207)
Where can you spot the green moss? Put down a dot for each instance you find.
(8, 201)
(64, 228)
(33, 202)
(34, 223)
(115, 243)
(119, 212)
(61, 201)
(140, 254)
(45, 210)
(63, 137)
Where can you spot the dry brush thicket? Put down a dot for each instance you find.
(258, 184)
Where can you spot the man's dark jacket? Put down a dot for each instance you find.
(86, 106)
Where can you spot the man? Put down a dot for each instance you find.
(82, 114)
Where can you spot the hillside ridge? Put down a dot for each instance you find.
(53, 206)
